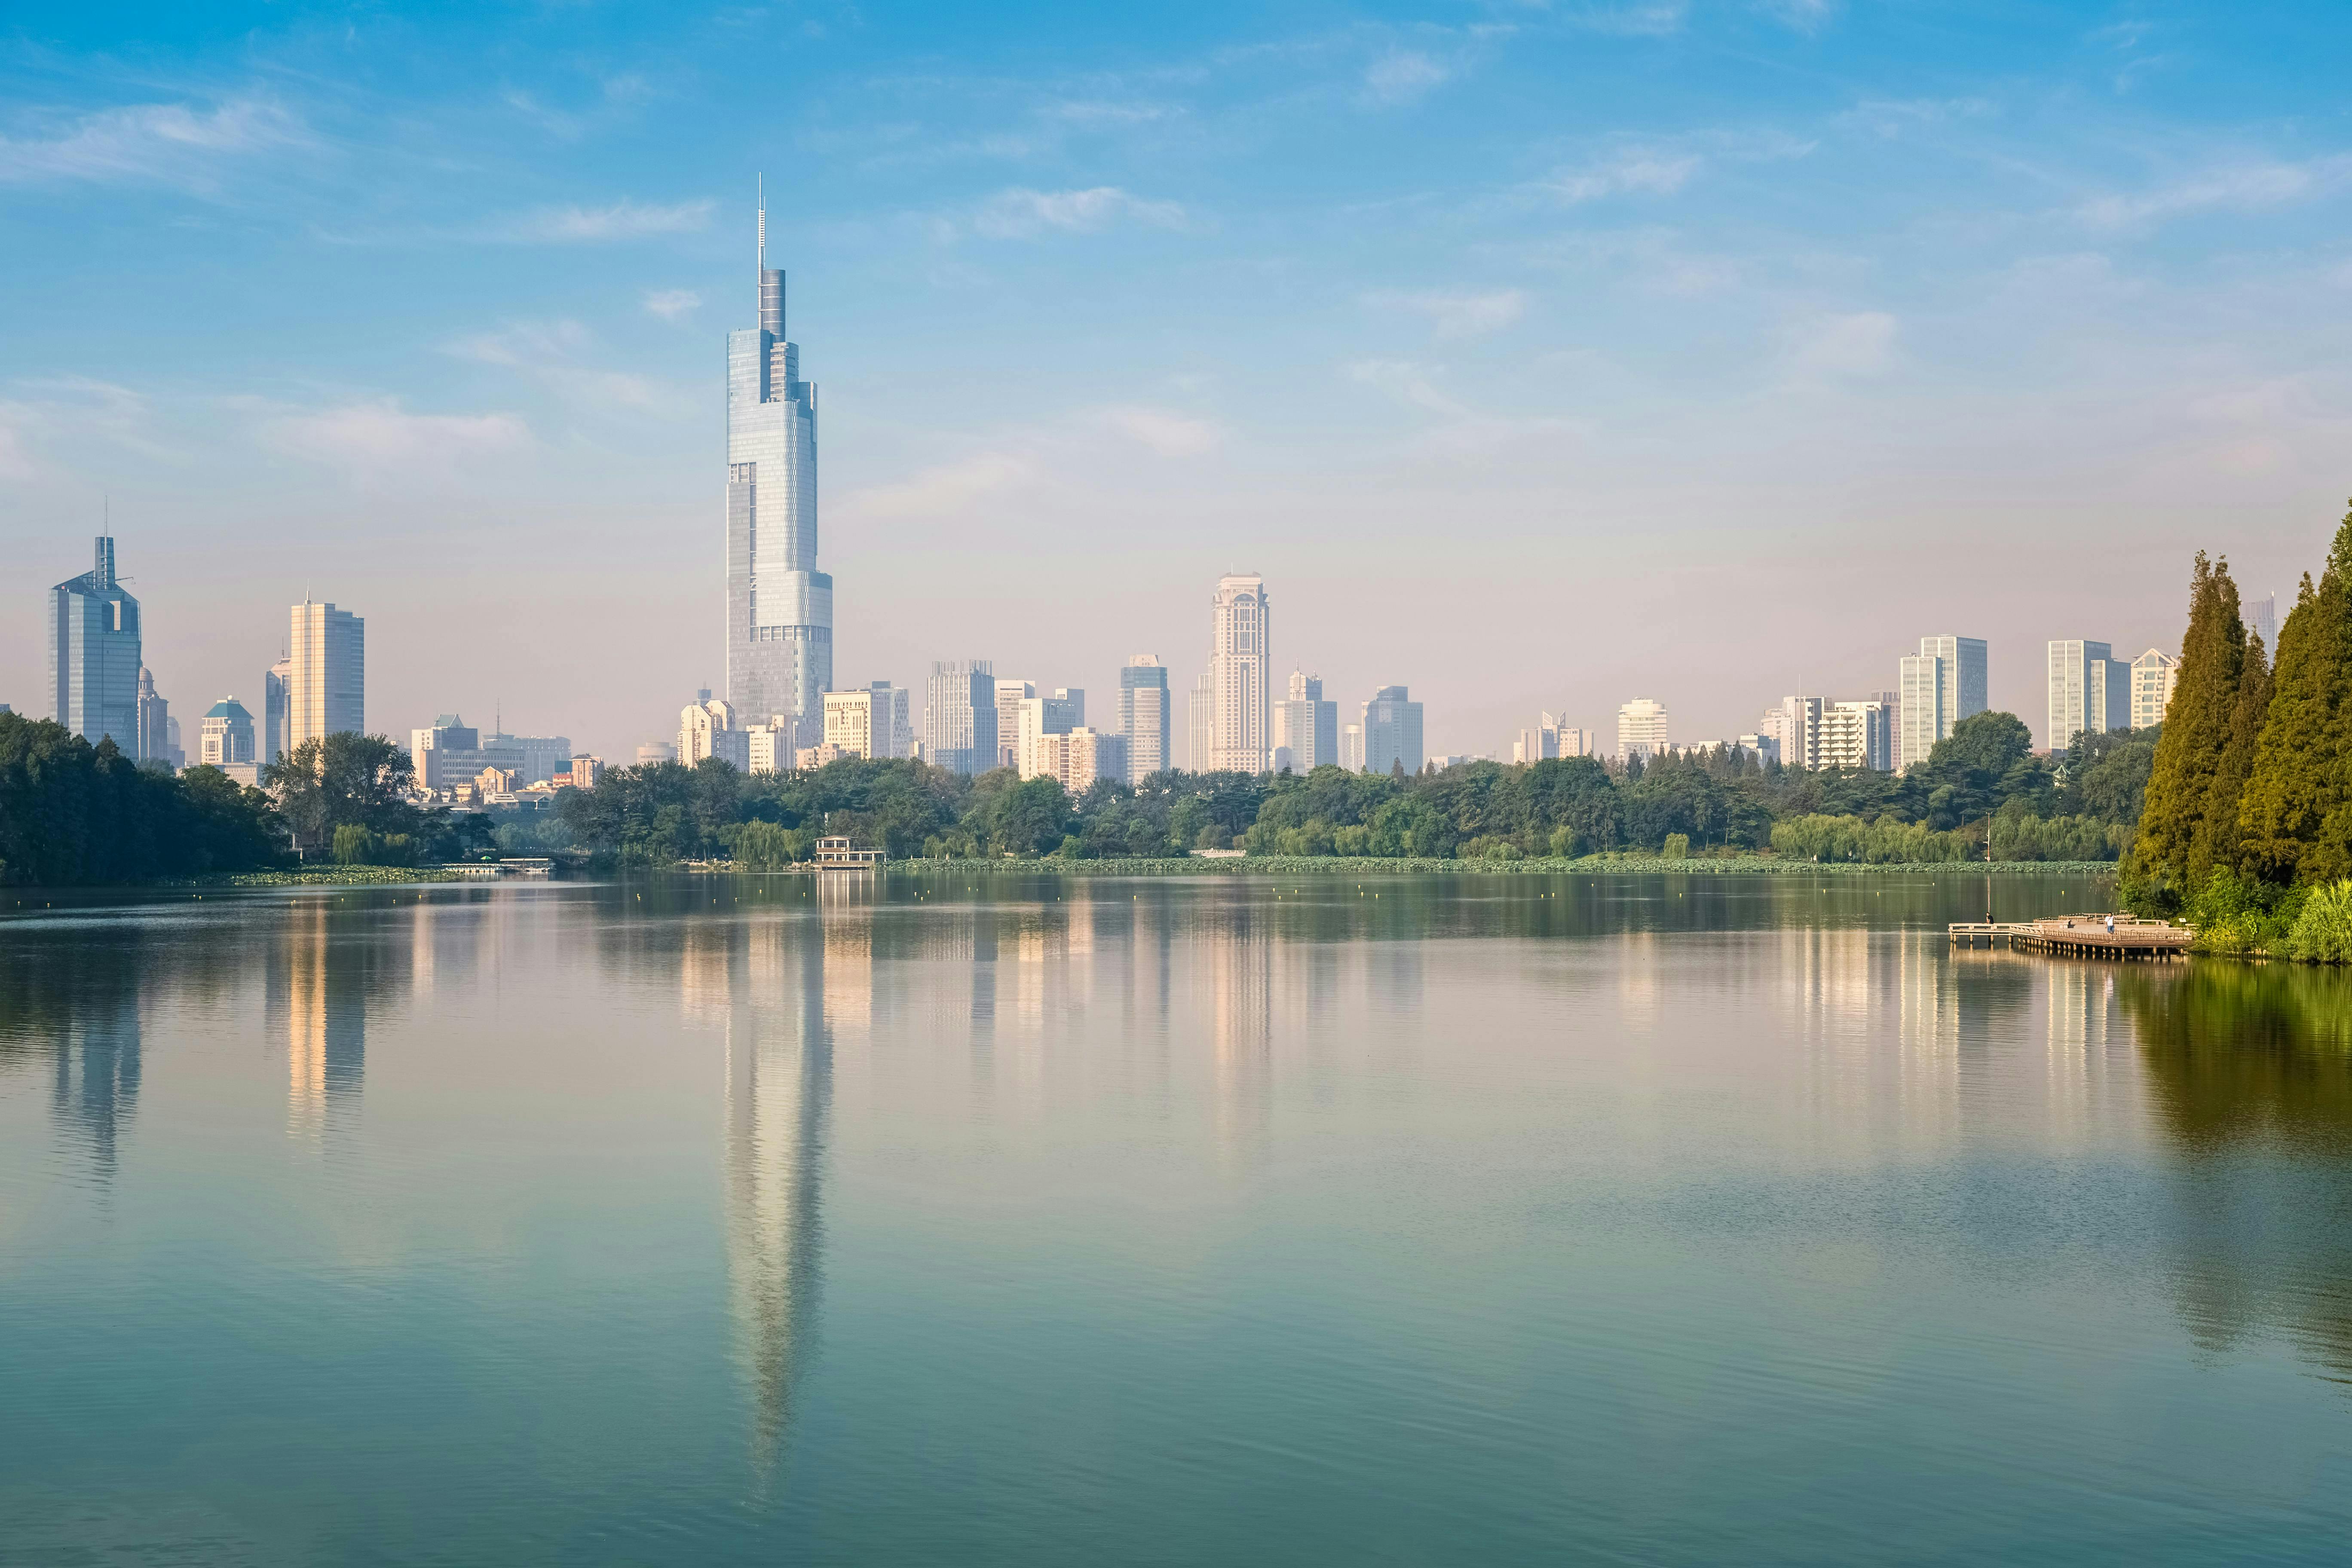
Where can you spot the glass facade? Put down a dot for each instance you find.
(778, 606)
(94, 655)
(1144, 714)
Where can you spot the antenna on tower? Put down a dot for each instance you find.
(762, 187)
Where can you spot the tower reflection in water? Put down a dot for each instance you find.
(318, 999)
(768, 983)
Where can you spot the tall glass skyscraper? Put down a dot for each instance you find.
(778, 606)
(94, 657)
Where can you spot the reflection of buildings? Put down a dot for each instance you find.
(323, 1003)
(97, 1083)
(769, 981)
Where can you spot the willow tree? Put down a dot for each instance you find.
(2296, 813)
(2176, 846)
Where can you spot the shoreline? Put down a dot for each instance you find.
(1326, 864)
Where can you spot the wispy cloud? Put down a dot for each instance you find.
(1170, 435)
(1835, 348)
(1892, 117)
(1638, 19)
(379, 439)
(622, 220)
(2244, 187)
(1804, 16)
(173, 143)
(945, 490)
(1459, 429)
(554, 354)
(670, 304)
(1022, 213)
(1654, 171)
(1456, 316)
(1404, 76)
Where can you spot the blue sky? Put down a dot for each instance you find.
(1539, 356)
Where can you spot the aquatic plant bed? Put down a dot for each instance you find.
(1319, 865)
(323, 877)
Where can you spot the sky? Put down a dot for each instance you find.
(1539, 357)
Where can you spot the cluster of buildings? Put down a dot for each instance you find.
(781, 710)
(101, 688)
(2089, 690)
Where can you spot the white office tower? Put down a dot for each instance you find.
(273, 709)
(1143, 716)
(1800, 731)
(2261, 618)
(1039, 716)
(326, 681)
(705, 728)
(1239, 637)
(1305, 728)
(1577, 742)
(1200, 721)
(1351, 748)
(960, 716)
(778, 606)
(2153, 675)
(1392, 733)
(894, 728)
(1855, 735)
(2090, 690)
(1641, 729)
(1010, 696)
(1919, 687)
(1964, 676)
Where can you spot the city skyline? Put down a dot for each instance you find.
(1702, 344)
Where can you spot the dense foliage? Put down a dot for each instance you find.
(2248, 825)
(1983, 784)
(74, 813)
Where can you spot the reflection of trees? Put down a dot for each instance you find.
(2250, 1067)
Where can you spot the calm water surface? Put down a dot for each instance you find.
(987, 1220)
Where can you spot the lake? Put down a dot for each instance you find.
(996, 1218)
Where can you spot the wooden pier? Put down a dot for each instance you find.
(2081, 936)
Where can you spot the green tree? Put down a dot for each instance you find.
(2180, 841)
(1986, 758)
(340, 780)
(2295, 816)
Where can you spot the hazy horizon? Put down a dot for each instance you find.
(1537, 357)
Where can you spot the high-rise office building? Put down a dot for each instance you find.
(326, 687)
(273, 709)
(1305, 728)
(960, 716)
(778, 606)
(1965, 693)
(1351, 747)
(153, 724)
(227, 739)
(2261, 618)
(1855, 735)
(1391, 723)
(1010, 696)
(1201, 723)
(2153, 674)
(1144, 716)
(2090, 690)
(1919, 687)
(1641, 729)
(1059, 714)
(1077, 758)
(1239, 641)
(94, 655)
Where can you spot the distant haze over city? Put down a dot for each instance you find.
(1536, 360)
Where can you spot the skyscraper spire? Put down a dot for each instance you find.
(762, 187)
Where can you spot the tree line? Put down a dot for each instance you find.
(2248, 823)
(1982, 787)
(72, 813)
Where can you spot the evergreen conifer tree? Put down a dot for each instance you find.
(2296, 814)
(2173, 847)
(2220, 841)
